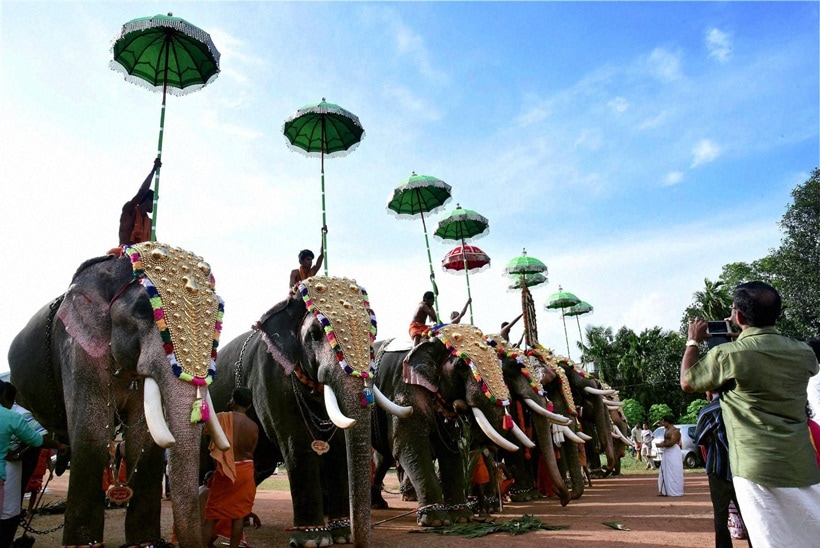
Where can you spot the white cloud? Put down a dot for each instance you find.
(590, 139)
(672, 178)
(704, 152)
(532, 116)
(618, 104)
(411, 44)
(719, 45)
(665, 65)
(413, 103)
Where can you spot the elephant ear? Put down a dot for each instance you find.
(280, 330)
(85, 310)
(422, 364)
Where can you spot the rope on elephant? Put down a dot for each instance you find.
(237, 366)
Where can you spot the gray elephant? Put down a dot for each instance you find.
(308, 363)
(453, 372)
(105, 356)
(620, 428)
(530, 402)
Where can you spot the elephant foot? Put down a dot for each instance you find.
(433, 515)
(522, 495)
(340, 531)
(377, 501)
(461, 514)
(309, 537)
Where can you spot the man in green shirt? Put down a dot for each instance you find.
(763, 377)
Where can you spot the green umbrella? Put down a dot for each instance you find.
(168, 54)
(462, 225)
(323, 129)
(579, 309)
(420, 194)
(527, 280)
(562, 300)
(525, 265)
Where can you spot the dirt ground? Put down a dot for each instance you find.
(630, 500)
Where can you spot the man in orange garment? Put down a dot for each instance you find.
(233, 488)
(306, 267)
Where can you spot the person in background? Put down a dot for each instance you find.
(646, 447)
(762, 376)
(506, 326)
(670, 477)
(637, 440)
(455, 315)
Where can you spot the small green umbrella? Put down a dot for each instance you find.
(527, 280)
(463, 225)
(562, 299)
(525, 264)
(418, 195)
(579, 309)
(168, 54)
(323, 129)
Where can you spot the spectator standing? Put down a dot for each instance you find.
(763, 377)
(637, 441)
(646, 447)
(670, 477)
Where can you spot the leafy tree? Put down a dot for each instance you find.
(693, 411)
(713, 303)
(598, 350)
(658, 411)
(797, 261)
(634, 412)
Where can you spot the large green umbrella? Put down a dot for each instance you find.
(168, 54)
(323, 129)
(527, 272)
(463, 225)
(562, 299)
(579, 309)
(418, 195)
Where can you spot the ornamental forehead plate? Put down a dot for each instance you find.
(342, 302)
(189, 302)
(469, 341)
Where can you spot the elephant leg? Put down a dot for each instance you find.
(382, 466)
(85, 512)
(145, 462)
(336, 497)
(453, 482)
(411, 448)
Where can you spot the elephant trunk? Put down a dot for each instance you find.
(541, 428)
(358, 462)
(603, 426)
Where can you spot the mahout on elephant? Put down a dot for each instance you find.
(308, 362)
(130, 345)
(450, 374)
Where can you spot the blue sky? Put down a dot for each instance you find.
(633, 147)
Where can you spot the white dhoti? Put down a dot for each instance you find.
(779, 516)
(12, 501)
(670, 477)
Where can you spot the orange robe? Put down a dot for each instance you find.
(418, 328)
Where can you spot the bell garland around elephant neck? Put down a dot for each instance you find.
(187, 312)
(343, 310)
(467, 343)
(506, 350)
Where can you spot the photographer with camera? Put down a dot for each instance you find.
(762, 376)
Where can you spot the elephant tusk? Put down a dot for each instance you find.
(570, 435)
(617, 434)
(154, 418)
(522, 437)
(598, 391)
(401, 411)
(614, 404)
(333, 411)
(554, 417)
(491, 432)
(583, 436)
(217, 434)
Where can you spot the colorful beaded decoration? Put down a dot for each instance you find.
(506, 350)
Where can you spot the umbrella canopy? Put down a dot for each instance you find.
(579, 309)
(418, 195)
(529, 280)
(562, 299)
(525, 265)
(468, 258)
(462, 225)
(323, 129)
(168, 54)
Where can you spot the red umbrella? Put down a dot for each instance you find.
(469, 257)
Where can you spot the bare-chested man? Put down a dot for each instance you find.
(455, 316)
(306, 267)
(419, 327)
(233, 489)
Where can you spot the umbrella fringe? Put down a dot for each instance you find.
(466, 239)
(175, 23)
(474, 270)
(411, 216)
(336, 154)
(423, 184)
(137, 81)
(324, 109)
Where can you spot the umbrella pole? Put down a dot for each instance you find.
(467, 276)
(324, 215)
(159, 151)
(580, 335)
(430, 262)
(566, 337)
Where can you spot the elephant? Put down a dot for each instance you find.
(450, 373)
(620, 428)
(308, 363)
(110, 362)
(530, 401)
(593, 414)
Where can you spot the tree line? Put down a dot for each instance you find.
(644, 366)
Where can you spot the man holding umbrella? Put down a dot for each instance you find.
(135, 224)
(419, 327)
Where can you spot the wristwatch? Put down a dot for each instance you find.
(692, 342)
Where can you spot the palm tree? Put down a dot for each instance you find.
(714, 301)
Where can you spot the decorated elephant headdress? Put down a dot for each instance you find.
(506, 350)
(187, 311)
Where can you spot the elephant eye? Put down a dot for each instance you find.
(316, 333)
